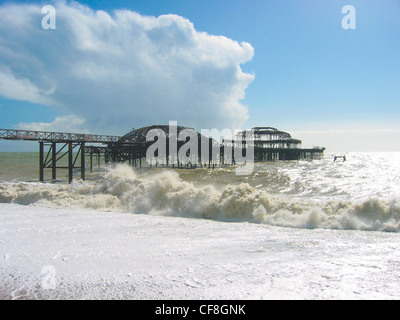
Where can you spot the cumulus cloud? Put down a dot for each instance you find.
(22, 89)
(69, 123)
(121, 70)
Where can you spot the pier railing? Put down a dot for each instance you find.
(15, 134)
(73, 146)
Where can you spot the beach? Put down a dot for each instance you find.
(303, 233)
(102, 255)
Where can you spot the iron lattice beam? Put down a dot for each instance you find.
(53, 156)
(13, 134)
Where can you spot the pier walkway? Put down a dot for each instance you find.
(73, 146)
(64, 149)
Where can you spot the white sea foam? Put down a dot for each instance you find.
(113, 236)
(91, 254)
(165, 192)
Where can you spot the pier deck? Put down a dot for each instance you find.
(73, 147)
(269, 144)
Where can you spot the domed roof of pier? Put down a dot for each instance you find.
(139, 135)
(268, 134)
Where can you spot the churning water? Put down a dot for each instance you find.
(361, 193)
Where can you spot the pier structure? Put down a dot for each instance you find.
(135, 146)
(270, 144)
(142, 146)
(60, 150)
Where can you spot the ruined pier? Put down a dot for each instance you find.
(60, 150)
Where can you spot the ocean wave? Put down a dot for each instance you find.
(164, 192)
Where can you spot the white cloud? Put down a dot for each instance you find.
(22, 89)
(70, 123)
(123, 70)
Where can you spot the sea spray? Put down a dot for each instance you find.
(163, 192)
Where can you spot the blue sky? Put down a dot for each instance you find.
(324, 84)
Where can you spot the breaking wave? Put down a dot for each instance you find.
(164, 192)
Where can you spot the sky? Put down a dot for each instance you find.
(106, 67)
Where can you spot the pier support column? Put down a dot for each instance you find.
(70, 161)
(83, 167)
(54, 160)
(41, 164)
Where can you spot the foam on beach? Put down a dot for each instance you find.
(163, 192)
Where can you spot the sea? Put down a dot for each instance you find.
(361, 193)
(319, 229)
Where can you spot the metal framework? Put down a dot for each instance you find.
(73, 147)
(53, 156)
(12, 134)
(133, 147)
(269, 144)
